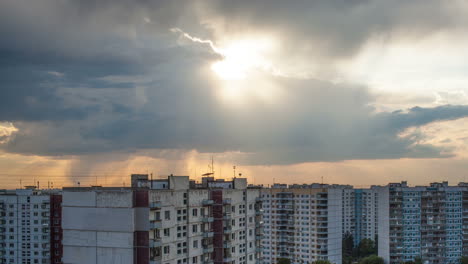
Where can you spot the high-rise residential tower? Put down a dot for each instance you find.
(303, 222)
(30, 226)
(421, 221)
(166, 221)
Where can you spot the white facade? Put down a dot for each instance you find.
(174, 221)
(99, 225)
(24, 227)
(303, 223)
(213, 222)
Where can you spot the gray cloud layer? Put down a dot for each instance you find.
(101, 76)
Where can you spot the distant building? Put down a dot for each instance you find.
(30, 226)
(169, 221)
(422, 221)
(365, 218)
(303, 222)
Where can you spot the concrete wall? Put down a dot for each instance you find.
(335, 203)
(98, 226)
(384, 224)
(178, 182)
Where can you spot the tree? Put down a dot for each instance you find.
(347, 248)
(284, 261)
(367, 248)
(464, 260)
(372, 260)
(321, 262)
(418, 260)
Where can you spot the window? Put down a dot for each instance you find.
(166, 249)
(167, 215)
(195, 244)
(194, 212)
(167, 232)
(195, 228)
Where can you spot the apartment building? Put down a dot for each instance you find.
(360, 213)
(167, 221)
(421, 221)
(304, 223)
(365, 220)
(30, 226)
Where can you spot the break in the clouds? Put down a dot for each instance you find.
(86, 77)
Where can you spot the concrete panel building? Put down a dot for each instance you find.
(167, 221)
(304, 223)
(30, 229)
(421, 221)
(101, 225)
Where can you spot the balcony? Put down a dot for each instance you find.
(208, 249)
(208, 234)
(207, 202)
(227, 244)
(156, 224)
(227, 201)
(155, 205)
(207, 219)
(155, 243)
(227, 216)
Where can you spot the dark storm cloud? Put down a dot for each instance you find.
(82, 77)
(337, 28)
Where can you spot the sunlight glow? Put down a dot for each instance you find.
(241, 58)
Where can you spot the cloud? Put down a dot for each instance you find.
(110, 76)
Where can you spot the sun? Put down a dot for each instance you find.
(241, 58)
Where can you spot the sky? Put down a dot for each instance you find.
(355, 92)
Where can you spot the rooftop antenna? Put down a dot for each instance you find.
(151, 182)
(322, 179)
(234, 167)
(21, 184)
(212, 165)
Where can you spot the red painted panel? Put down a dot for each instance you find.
(56, 234)
(140, 198)
(141, 254)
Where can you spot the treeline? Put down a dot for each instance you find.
(363, 253)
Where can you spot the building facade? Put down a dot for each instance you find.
(366, 219)
(169, 221)
(421, 221)
(303, 222)
(30, 229)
